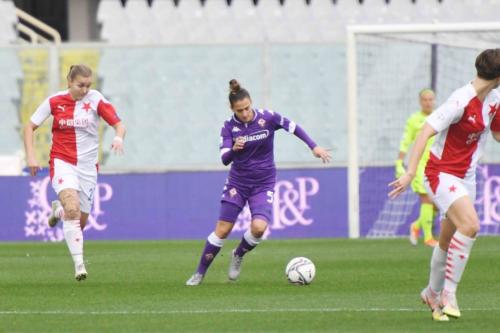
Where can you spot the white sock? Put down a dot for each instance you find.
(458, 254)
(74, 239)
(251, 239)
(438, 265)
(214, 240)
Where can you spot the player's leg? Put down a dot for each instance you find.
(464, 216)
(454, 197)
(87, 178)
(251, 238)
(261, 208)
(213, 245)
(426, 215)
(426, 219)
(231, 205)
(71, 228)
(65, 182)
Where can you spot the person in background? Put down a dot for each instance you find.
(413, 127)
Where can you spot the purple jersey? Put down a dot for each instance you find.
(255, 162)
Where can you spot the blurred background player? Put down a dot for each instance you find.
(73, 156)
(247, 140)
(462, 125)
(413, 127)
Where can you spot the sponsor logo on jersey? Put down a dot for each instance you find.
(73, 123)
(235, 129)
(260, 135)
(473, 137)
(62, 107)
(472, 119)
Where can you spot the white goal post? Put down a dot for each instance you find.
(353, 33)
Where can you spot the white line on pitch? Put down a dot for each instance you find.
(170, 312)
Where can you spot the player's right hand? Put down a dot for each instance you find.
(400, 185)
(400, 169)
(33, 165)
(239, 143)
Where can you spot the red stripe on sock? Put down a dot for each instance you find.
(449, 265)
(456, 240)
(454, 247)
(448, 278)
(449, 271)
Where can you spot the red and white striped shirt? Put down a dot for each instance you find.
(463, 123)
(75, 128)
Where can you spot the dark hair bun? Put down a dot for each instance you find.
(234, 86)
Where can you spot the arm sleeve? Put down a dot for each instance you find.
(107, 112)
(408, 136)
(41, 113)
(292, 128)
(449, 113)
(226, 146)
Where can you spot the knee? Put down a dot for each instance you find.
(72, 212)
(258, 228)
(471, 228)
(222, 230)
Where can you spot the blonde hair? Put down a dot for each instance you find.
(75, 70)
(425, 91)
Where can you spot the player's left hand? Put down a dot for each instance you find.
(400, 185)
(322, 153)
(117, 145)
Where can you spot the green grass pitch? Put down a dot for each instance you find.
(360, 286)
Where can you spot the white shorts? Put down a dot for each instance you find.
(65, 175)
(445, 189)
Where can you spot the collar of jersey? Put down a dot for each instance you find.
(251, 121)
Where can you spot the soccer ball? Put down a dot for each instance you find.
(300, 271)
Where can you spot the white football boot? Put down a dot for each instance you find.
(80, 272)
(431, 298)
(56, 204)
(235, 267)
(195, 279)
(449, 304)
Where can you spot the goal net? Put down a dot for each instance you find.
(387, 67)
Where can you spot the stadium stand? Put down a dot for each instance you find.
(8, 19)
(161, 55)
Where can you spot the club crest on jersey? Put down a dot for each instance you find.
(493, 110)
(86, 106)
(233, 192)
(262, 122)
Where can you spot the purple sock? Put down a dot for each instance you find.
(208, 255)
(243, 248)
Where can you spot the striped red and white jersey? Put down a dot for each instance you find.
(75, 127)
(463, 124)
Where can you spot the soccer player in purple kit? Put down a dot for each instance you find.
(247, 140)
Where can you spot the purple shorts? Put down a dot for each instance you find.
(259, 198)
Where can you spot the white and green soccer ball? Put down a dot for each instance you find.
(300, 271)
